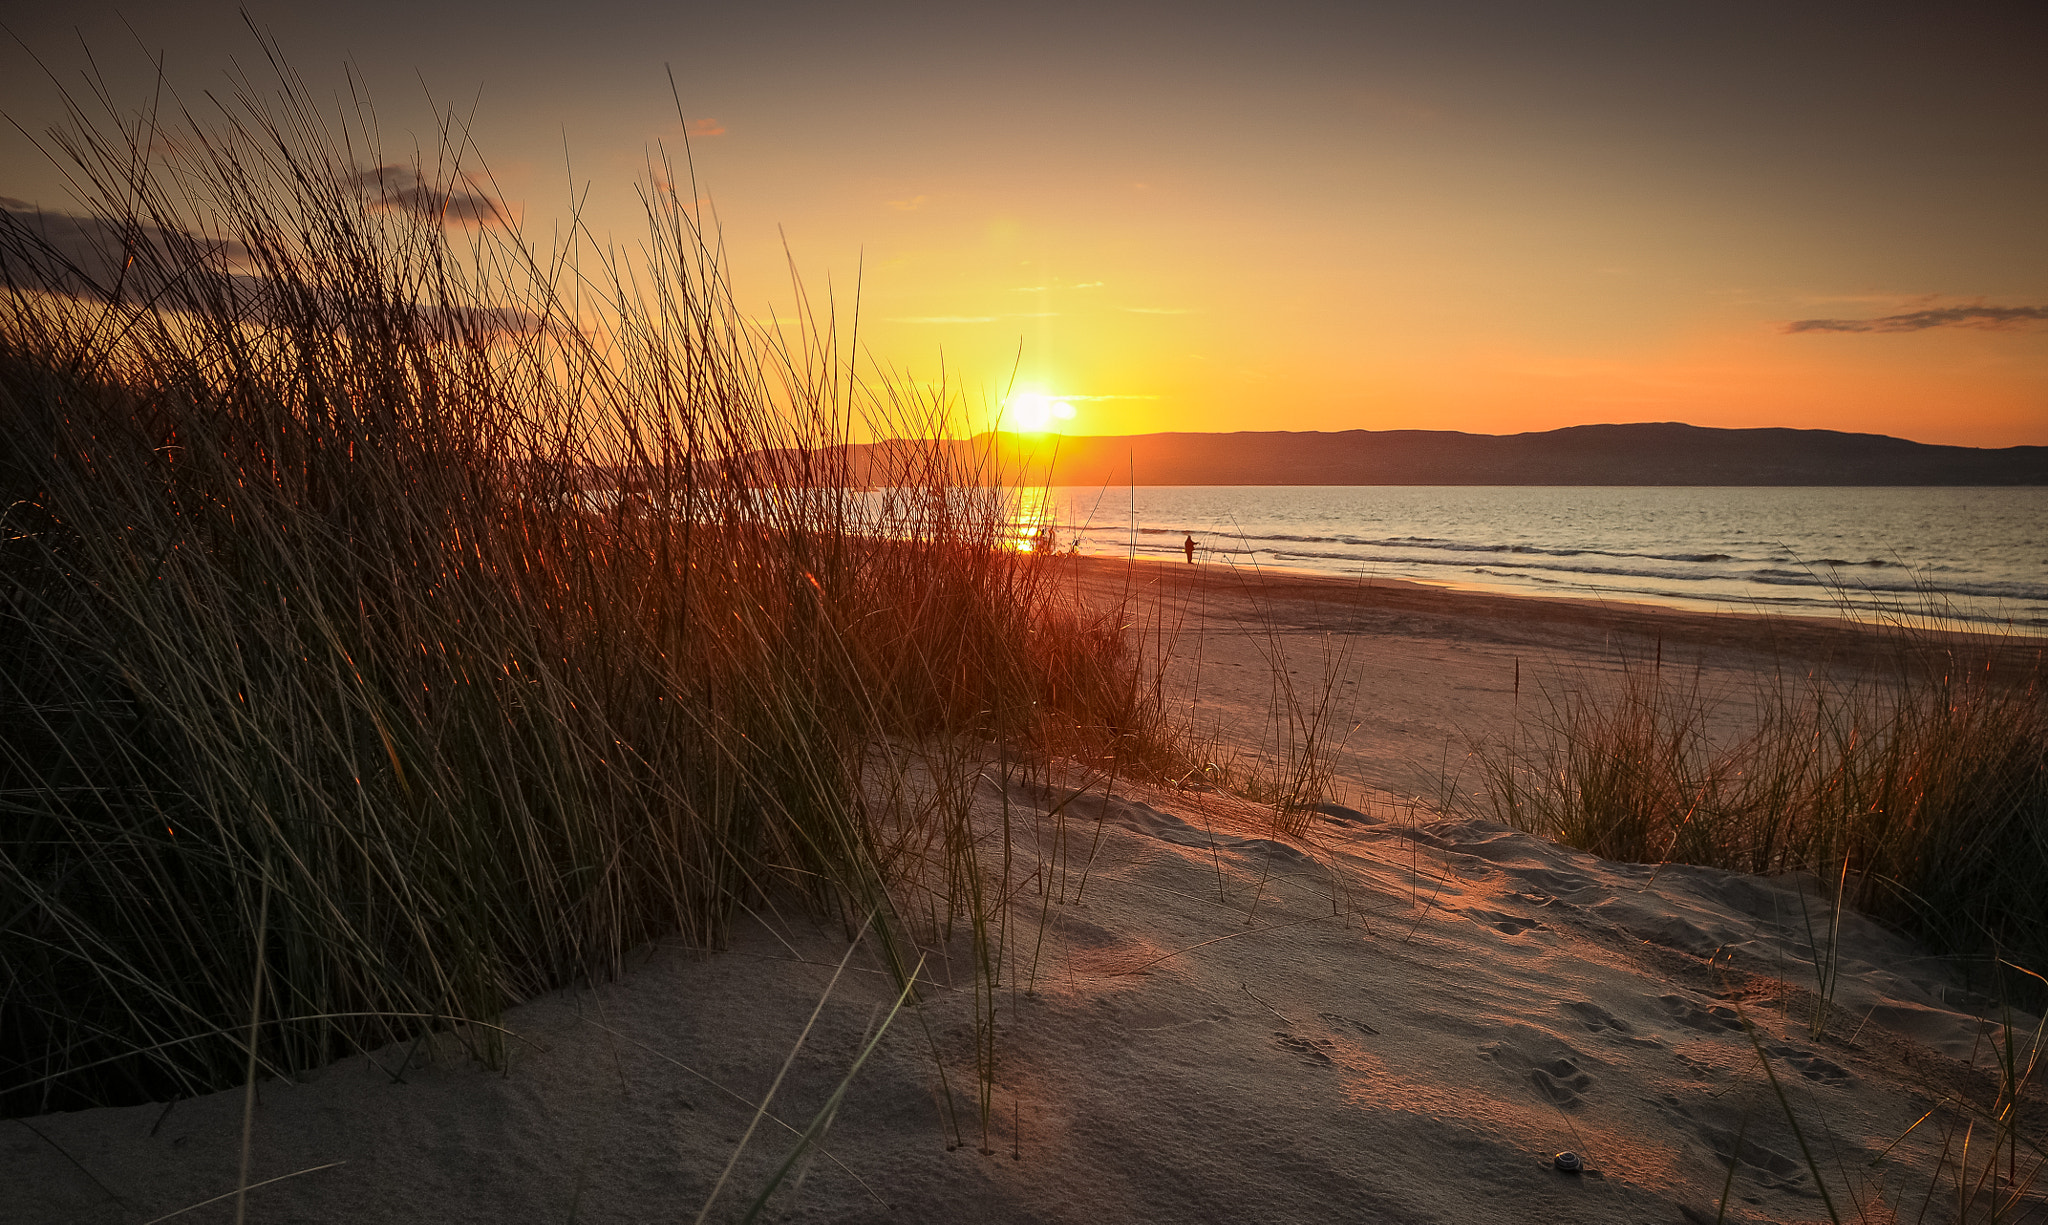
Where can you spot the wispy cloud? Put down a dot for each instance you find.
(1986, 317)
(1044, 288)
(911, 204)
(89, 256)
(689, 129)
(399, 189)
(106, 259)
(1158, 310)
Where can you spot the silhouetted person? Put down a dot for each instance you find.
(1188, 546)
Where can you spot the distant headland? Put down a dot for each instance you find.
(1661, 453)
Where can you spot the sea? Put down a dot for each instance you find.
(1978, 556)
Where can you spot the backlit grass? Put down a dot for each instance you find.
(453, 614)
(1916, 792)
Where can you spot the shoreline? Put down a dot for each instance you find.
(1802, 551)
(1727, 628)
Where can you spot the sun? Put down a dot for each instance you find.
(1034, 412)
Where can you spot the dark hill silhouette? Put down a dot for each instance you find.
(1664, 453)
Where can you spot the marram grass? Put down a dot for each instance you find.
(1916, 791)
(455, 618)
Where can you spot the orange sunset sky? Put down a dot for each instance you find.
(1491, 217)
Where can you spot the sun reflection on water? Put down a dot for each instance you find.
(1032, 527)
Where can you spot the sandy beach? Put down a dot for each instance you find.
(1420, 674)
(1403, 1016)
(667, 613)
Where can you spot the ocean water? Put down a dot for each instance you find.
(1980, 554)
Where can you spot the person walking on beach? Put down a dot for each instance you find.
(1188, 546)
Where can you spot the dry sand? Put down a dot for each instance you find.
(1424, 673)
(1402, 1017)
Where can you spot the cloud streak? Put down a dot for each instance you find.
(397, 189)
(150, 266)
(1982, 317)
(85, 255)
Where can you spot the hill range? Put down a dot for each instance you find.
(1664, 453)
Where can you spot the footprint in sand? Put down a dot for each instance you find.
(1594, 1017)
(1739, 1142)
(1311, 1052)
(1558, 1080)
(1600, 1021)
(1716, 1018)
(1513, 925)
(1816, 1068)
(1767, 1165)
(1712, 1019)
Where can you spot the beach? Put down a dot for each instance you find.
(1423, 673)
(1404, 1015)
(1290, 614)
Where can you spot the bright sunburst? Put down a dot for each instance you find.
(1034, 412)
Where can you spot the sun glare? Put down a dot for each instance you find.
(1034, 412)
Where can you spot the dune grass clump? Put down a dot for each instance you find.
(396, 622)
(1919, 795)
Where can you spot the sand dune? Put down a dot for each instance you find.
(1387, 1022)
(1401, 1017)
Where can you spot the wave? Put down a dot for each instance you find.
(1806, 550)
(1449, 546)
(1534, 571)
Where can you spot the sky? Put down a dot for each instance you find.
(1492, 217)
